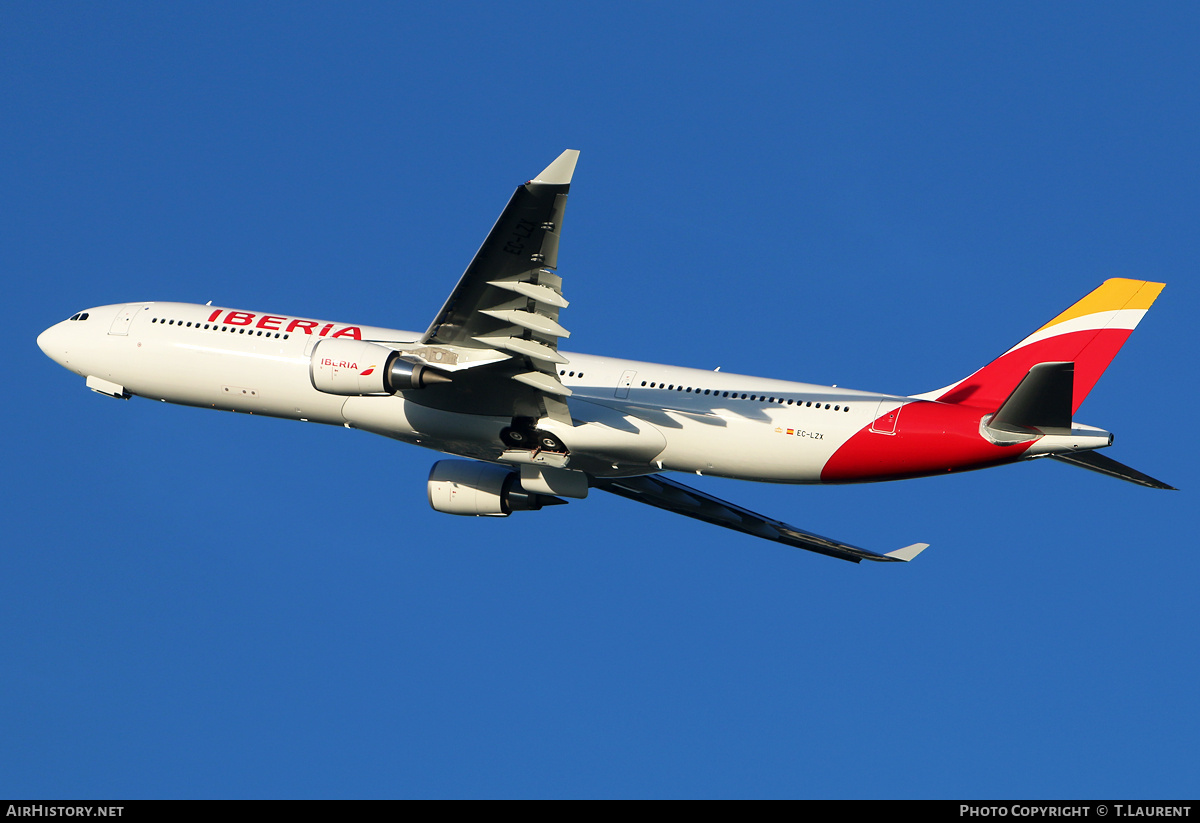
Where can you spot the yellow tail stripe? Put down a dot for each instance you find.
(1114, 294)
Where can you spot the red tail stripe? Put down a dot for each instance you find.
(1091, 350)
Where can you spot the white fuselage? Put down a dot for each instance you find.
(629, 417)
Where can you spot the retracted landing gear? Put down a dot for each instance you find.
(524, 434)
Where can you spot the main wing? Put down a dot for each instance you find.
(498, 332)
(662, 493)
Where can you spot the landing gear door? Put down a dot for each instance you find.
(124, 318)
(625, 382)
(887, 415)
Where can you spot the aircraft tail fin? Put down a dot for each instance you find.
(1088, 334)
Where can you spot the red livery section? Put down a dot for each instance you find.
(1091, 350)
(924, 438)
(930, 438)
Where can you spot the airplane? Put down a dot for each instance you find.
(529, 425)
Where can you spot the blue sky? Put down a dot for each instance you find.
(880, 196)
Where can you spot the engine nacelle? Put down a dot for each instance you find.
(353, 368)
(471, 488)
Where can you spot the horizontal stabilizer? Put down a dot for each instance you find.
(1106, 465)
(1042, 401)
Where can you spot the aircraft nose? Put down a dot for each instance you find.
(51, 342)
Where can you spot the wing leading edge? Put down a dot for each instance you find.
(658, 491)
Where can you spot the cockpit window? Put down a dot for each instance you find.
(75, 316)
(81, 316)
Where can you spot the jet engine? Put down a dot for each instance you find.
(354, 367)
(468, 487)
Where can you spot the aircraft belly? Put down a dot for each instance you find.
(468, 435)
(258, 380)
(608, 436)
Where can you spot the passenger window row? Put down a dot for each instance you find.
(759, 398)
(215, 327)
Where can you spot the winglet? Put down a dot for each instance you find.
(559, 172)
(908, 552)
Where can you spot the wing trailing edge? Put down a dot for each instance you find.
(660, 492)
